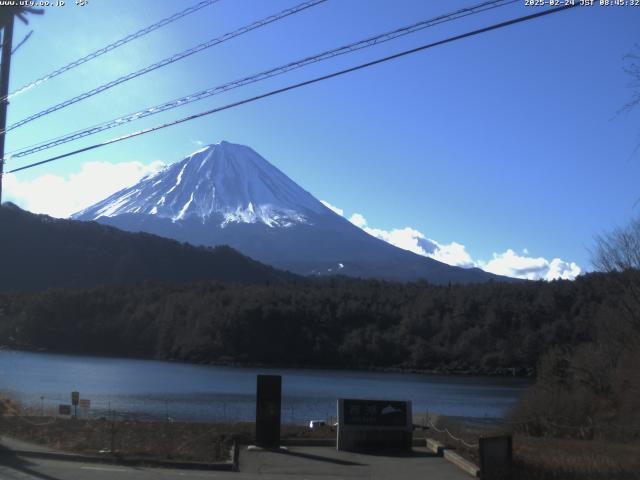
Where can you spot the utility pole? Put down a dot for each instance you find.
(7, 41)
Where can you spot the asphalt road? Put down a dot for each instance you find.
(326, 463)
(16, 468)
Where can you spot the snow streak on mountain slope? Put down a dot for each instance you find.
(224, 182)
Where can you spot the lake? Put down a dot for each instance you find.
(157, 389)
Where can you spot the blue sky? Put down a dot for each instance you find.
(494, 144)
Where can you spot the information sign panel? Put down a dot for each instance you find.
(374, 425)
(64, 409)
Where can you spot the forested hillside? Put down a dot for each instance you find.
(335, 322)
(42, 252)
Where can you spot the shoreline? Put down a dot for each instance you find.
(506, 372)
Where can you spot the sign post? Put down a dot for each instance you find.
(268, 406)
(75, 399)
(496, 456)
(84, 405)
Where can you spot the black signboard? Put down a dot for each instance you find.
(64, 409)
(375, 413)
(268, 402)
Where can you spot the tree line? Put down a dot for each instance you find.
(336, 322)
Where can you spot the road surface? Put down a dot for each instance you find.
(317, 463)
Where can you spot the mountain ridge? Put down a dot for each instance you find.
(227, 193)
(56, 253)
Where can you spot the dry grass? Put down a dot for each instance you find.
(204, 442)
(568, 459)
(171, 441)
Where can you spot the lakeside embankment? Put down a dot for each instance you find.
(535, 458)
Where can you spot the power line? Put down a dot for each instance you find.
(371, 41)
(301, 84)
(169, 60)
(22, 42)
(111, 46)
(352, 47)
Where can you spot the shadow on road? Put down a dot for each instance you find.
(9, 459)
(411, 454)
(319, 458)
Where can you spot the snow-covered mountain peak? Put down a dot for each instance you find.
(227, 194)
(226, 182)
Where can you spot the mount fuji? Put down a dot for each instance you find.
(227, 194)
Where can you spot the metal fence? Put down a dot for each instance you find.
(208, 410)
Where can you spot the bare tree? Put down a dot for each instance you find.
(632, 68)
(618, 250)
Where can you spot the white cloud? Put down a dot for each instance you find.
(453, 253)
(337, 210)
(506, 263)
(538, 268)
(415, 241)
(564, 270)
(358, 220)
(406, 238)
(60, 196)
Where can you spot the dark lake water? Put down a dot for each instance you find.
(149, 388)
